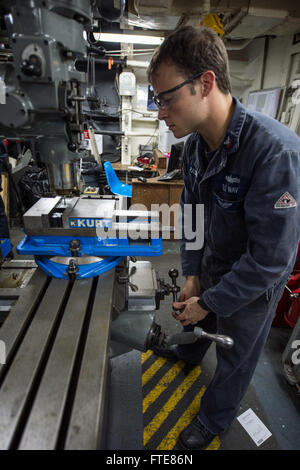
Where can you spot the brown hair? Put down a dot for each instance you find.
(194, 50)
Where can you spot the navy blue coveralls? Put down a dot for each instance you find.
(250, 188)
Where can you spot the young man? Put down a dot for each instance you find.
(245, 168)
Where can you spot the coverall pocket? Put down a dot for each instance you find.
(229, 204)
(228, 229)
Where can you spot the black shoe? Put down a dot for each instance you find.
(172, 354)
(195, 437)
(164, 351)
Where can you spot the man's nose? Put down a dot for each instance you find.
(162, 114)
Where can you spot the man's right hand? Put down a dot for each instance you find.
(191, 288)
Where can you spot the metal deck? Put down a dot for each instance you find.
(53, 385)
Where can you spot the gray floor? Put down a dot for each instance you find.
(269, 395)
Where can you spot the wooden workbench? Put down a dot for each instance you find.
(153, 191)
(156, 192)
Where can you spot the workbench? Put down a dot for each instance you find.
(157, 192)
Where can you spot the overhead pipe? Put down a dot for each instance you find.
(121, 133)
(236, 20)
(263, 71)
(237, 44)
(81, 64)
(138, 63)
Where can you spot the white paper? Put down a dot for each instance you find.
(137, 168)
(254, 427)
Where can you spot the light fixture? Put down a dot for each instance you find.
(129, 38)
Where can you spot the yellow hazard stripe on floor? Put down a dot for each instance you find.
(162, 384)
(171, 438)
(185, 419)
(146, 355)
(149, 373)
(160, 417)
(171, 379)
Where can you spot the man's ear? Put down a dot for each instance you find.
(208, 80)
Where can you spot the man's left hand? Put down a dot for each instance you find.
(191, 312)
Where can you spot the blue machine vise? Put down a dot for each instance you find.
(94, 233)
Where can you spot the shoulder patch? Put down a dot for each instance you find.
(285, 202)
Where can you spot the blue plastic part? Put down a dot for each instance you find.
(89, 246)
(5, 247)
(116, 186)
(59, 271)
(115, 249)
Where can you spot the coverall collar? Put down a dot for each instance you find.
(232, 138)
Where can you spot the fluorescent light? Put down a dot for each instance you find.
(129, 38)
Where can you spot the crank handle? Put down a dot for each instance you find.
(221, 340)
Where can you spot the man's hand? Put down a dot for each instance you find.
(191, 288)
(191, 312)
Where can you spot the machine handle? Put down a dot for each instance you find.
(221, 340)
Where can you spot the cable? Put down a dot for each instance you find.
(154, 135)
(128, 110)
(134, 111)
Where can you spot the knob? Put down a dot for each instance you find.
(173, 273)
(32, 66)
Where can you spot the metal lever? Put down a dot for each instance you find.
(221, 340)
(197, 333)
(192, 336)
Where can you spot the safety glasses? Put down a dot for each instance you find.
(161, 103)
